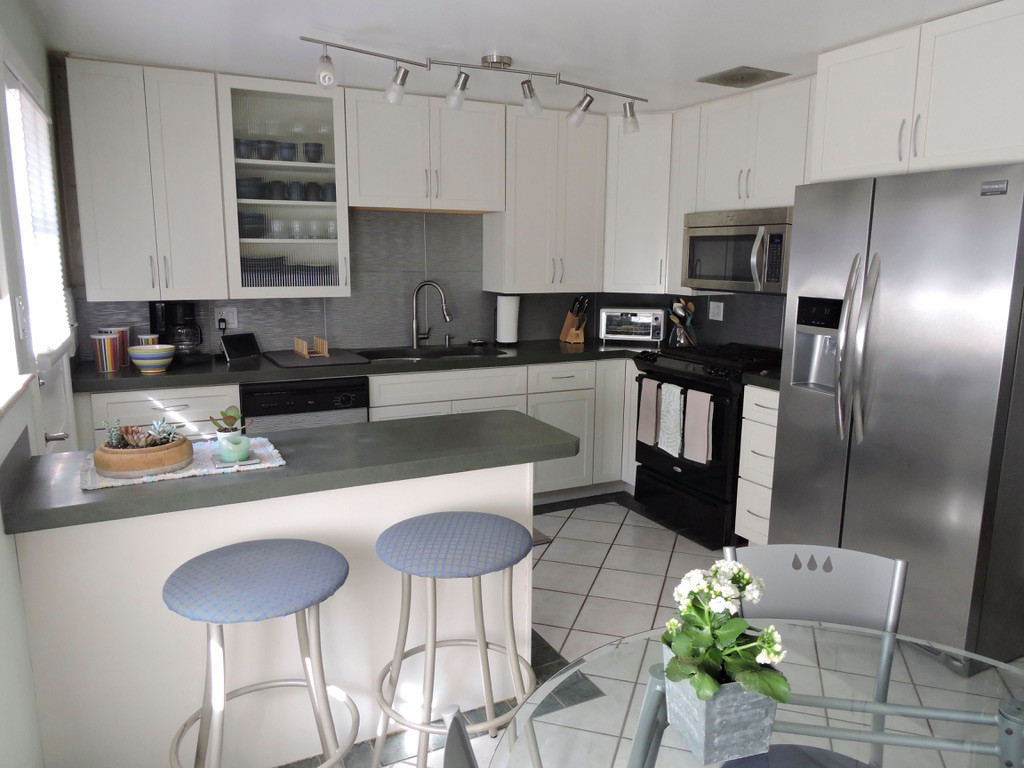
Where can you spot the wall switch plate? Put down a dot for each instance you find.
(715, 310)
(230, 315)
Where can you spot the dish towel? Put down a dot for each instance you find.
(670, 425)
(647, 418)
(697, 435)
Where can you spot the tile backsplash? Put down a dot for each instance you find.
(393, 251)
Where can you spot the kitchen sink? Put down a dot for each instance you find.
(429, 353)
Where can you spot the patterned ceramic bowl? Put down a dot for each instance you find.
(152, 358)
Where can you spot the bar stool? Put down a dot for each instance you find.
(451, 545)
(253, 581)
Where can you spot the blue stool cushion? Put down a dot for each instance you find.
(452, 545)
(255, 580)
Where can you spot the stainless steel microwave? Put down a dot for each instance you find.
(744, 250)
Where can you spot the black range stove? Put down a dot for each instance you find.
(725, 361)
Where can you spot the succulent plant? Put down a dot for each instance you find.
(131, 436)
(230, 419)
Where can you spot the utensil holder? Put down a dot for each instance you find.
(570, 333)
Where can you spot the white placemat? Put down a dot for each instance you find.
(205, 461)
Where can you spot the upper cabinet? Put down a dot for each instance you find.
(945, 94)
(753, 147)
(551, 236)
(147, 165)
(682, 192)
(421, 155)
(637, 213)
(285, 196)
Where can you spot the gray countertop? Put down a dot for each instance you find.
(259, 369)
(317, 460)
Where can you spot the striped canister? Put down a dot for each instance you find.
(124, 332)
(108, 351)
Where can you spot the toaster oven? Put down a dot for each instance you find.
(643, 326)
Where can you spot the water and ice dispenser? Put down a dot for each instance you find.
(816, 342)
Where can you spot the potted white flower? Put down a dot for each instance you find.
(720, 686)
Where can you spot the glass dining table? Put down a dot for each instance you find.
(588, 713)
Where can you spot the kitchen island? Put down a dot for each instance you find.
(116, 672)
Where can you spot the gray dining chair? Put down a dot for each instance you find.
(838, 586)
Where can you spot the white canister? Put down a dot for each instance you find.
(506, 326)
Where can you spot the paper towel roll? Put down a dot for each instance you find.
(507, 323)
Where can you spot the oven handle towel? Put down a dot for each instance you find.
(670, 422)
(700, 413)
(647, 419)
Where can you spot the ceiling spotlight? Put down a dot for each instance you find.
(530, 100)
(457, 94)
(629, 122)
(576, 115)
(396, 89)
(325, 74)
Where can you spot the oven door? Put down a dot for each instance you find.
(736, 258)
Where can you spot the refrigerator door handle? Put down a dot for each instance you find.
(754, 253)
(842, 404)
(860, 345)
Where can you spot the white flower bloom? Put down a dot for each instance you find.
(673, 625)
(720, 605)
(770, 657)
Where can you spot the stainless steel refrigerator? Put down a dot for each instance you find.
(901, 424)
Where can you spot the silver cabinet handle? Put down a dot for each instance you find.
(913, 135)
(661, 269)
(754, 252)
(739, 178)
(169, 407)
(152, 271)
(562, 278)
(55, 437)
(570, 376)
(762, 455)
(860, 345)
(426, 178)
(748, 183)
(766, 407)
(759, 517)
(899, 140)
(554, 271)
(167, 274)
(842, 332)
(346, 270)
(437, 183)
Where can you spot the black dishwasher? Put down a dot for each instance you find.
(279, 405)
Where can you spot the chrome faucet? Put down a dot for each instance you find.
(417, 337)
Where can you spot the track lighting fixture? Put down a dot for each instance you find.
(530, 100)
(577, 113)
(457, 94)
(396, 88)
(325, 74)
(629, 122)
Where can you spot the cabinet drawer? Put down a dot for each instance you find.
(757, 452)
(189, 407)
(403, 388)
(560, 377)
(760, 404)
(410, 411)
(753, 511)
(477, 404)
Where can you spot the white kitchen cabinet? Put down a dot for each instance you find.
(610, 392)
(476, 404)
(421, 155)
(572, 411)
(637, 212)
(560, 377)
(299, 247)
(410, 411)
(147, 166)
(682, 192)
(757, 463)
(753, 148)
(631, 402)
(409, 395)
(188, 407)
(551, 236)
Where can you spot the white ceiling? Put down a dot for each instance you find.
(651, 48)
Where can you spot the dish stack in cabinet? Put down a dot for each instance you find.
(283, 153)
(757, 463)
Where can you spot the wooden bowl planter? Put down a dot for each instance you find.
(139, 462)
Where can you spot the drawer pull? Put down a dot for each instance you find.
(677, 469)
(766, 407)
(169, 407)
(570, 376)
(762, 455)
(759, 517)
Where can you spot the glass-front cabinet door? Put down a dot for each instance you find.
(285, 188)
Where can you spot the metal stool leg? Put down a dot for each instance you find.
(396, 668)
(211, 726)
(653, 720)
(429, 659)
(481, 638)
(510, 636)
(307, 623)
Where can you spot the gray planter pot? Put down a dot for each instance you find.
(732, 723)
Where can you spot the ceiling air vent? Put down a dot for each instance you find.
(742, 77)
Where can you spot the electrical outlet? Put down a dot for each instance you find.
(715, 310)
(230, 315)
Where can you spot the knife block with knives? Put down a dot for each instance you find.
(575, 320)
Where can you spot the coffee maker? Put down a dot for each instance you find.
(175, 323)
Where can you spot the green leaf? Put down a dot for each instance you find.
(737, 663)
(701, 637)
(729, 631)
(677, 669)
(766, 681)
(682, 646)
(713, 658)
(705, 685)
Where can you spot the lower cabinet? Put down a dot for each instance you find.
(188, 407)
(410, 395)
(573, 411)
(609, 434)
(757, 464)
(631, 399)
